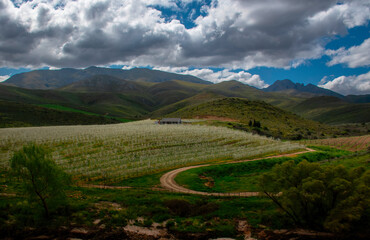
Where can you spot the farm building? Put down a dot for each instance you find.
(170, 121)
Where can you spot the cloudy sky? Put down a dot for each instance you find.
(324, 42)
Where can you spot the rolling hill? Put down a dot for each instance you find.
(240, 112)
(332, 110)
(194, 100)
(14, 114)
(104, 83)
(102, 103)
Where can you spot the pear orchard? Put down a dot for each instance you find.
(111, 153)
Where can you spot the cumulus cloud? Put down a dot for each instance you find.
(356, 56)
(3, 78)
(220, 76)
(348, 84)
(233, 34)
(271, 33)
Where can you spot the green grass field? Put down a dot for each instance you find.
(243, 177)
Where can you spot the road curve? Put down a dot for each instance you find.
(168, 179)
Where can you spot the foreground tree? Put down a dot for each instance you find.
(319, 197)
(40, 177)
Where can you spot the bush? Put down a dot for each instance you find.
(179, 207)
(319, 197)
(41, 179)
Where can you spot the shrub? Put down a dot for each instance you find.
(319, 197)
(41, 179)
(179, 207)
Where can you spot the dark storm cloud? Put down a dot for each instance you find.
(14, 37)
(234, 33)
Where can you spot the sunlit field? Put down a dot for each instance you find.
(358, 143)
(111, 153)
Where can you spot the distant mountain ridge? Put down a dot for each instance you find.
(67, 78)
(103, 83)
(114, 97)
(52, 79)
(141, 93)
(292, 88)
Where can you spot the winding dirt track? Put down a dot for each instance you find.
(168, 180)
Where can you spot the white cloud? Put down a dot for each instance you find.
(234, 34)
(3, 78)
(219, 76)
(348, 84)
(356, 56)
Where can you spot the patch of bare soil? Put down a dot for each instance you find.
(210, 182)
(297, 234)
(137, 232)
(108, 205)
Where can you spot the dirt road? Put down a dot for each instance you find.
(168, 179)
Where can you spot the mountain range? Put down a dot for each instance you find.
(140, 93)
(52, 79)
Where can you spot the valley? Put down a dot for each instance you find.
(133, 178)
(143, 93)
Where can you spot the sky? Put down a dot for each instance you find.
(326, 43)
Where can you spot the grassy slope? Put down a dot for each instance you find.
(194, 100)
(333, 110)
(170, 92)
(237, 89)
(23, 115)
(113, 104)
(244, 176)
(274, 121)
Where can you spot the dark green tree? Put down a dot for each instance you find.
(41, 179)
(319, 197)
(256, 124)
(250, 123)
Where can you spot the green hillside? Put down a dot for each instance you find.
(194, 100)
(115, 97)
(238, 89)
(14, 114)
(272, 120)
(333, 110)
(52, 79)
(104, 83)
(103, 103)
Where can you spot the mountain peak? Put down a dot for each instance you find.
(299, 88)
